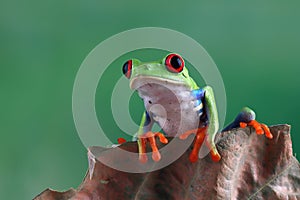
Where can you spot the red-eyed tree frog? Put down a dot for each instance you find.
(174, 101)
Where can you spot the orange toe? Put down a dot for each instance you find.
(260, 129)
(151, 138)
(256, 126)
(155, 153)
(215, 156)
(156, 156)
(243, 124)
(121, 140)
(161, 137)
(267, 131)
(143, 157)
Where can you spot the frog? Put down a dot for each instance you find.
(174, 101)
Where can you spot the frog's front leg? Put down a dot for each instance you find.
(145, 135)
(247, 118)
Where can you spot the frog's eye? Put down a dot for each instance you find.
(127, 68)
(174, 63)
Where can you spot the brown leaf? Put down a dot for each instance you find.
(53, 195)
(252, 167)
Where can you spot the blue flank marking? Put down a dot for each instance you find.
(148, 119)
(198, 94)
(197, 103)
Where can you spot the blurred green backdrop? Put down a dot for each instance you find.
(255, 44)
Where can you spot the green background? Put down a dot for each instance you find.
(255, 45)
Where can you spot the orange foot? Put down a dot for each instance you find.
(121, 140)
(142, 143)
(200, 137)
(259, 128)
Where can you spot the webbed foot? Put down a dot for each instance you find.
(142, 143)
(259, 128)
(200, 137)
(247, 118)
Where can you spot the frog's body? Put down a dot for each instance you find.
(174, 101)
(168, 104)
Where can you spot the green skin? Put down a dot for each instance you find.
(156, 72)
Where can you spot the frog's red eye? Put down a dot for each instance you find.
(127, 68)
(174, 63)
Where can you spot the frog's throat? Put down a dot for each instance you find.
(141, 80)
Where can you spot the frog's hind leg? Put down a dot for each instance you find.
(247, 118)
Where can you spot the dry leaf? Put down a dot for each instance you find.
(252, 167)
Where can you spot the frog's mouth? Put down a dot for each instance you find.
(140, 81)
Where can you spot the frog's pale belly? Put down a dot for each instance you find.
(171, 106)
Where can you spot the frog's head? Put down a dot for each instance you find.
(170, 70)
